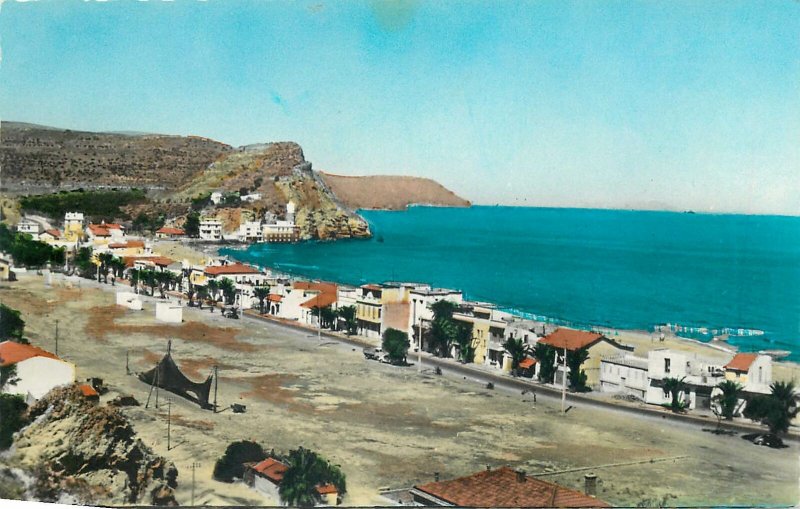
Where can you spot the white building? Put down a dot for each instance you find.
(624, 374)
(266, 476)
(699, 376)
(216, 197)
(211, 229)
(30, 227)
(250, 231)
(282, 231)
(37, 371)
(751, 370)
(421, 298)
(251, 197)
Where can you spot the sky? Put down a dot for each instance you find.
(658, 105)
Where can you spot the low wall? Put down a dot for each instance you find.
(129, 300)
(169, 312)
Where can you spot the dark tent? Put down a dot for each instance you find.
(167, 375)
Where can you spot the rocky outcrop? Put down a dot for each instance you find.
(91, 452)
(390, 192)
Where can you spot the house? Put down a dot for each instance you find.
(699, 377)
(250, 231)
(326, 295)
(282, 231)
(266, 477)
(73, 227)
(422, 297)
(624, 374)
(210, 229)
(104, 233)
(30, 227)
(37, 371)
(245, 277)
(128, 248)
(216, 197)
(5, 268)
(50, 236)
(148, 262)
(250, 197)
(488, 333)
(751, 370)
(168, 232)
(595, 343)
(501, 487)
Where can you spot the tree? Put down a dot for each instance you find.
(777, 409)
(518, 350)
(84, 263)
(261, 293)
(231, 464)
(12, 326)
(11, 408)
(443, 327)
(105, 259)
(466, 352)
(675, 387)
(192, 224)
(163, 279)
(202, 294)
(307, 470)
(213, 289)
(546, 358)
(577, 376)
(728, 399)
(118, 266)
(228, 288)
(135, 275)
(150, 280)
(395, 344)
(348, 314)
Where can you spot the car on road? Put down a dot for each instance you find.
(375, 354)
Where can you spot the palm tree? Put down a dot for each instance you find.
(190, 293)
(298, 487)
(443, 327)
(546, 359)
(261, 293)
(675, 387)
(577, 376)
(518, 350)
(213, 288)
(728, 399)
(777, 409)
(348, 314)
(105, 259)
(202, 294)
(228, 288)
(135, 277)
(151, 280)
(163, 279)
(118, 264)
(466, 352)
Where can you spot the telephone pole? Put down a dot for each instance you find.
(56, 338)
(169, 419)
(216, 382)
(564, 383)
(194, 466)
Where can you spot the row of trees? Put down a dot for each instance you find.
(307, 470)
(446, 332)
(28, 252)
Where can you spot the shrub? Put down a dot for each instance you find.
(11, 408)
(231, 464)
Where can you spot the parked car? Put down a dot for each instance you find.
(376, 354)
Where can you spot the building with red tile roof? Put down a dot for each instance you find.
(169, 232)
(12, 353)
(741, 362)
(266, 476)
(50, 234)
(502, 487)
(88, 391)
(571, 339)
(37, 371)
(160, 261)
(231, 269)
(751, 370)
(597, 345)
(128, 244)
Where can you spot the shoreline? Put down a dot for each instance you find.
(639, 338)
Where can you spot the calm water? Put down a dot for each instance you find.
(624, 269)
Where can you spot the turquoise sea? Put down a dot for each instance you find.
(611, 268)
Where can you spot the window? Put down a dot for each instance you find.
(666, 365)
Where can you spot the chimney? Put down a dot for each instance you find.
(436, 477)
(590, 484)
(520, 476)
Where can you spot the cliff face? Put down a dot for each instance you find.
(390, 192)
(91, 452)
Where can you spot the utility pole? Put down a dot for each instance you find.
(319, 320)
(419, 350)
(127, 362)
(564, 383)
(169, 419)
(56, 338)
(194, 466)
(216, 382)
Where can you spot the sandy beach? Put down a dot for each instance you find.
(387, 427)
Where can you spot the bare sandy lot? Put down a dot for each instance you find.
(387, 427)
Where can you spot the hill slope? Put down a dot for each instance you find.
(390, 192)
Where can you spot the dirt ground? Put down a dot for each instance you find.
(388, 427)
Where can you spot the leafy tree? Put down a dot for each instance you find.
(84, 263)
(28, 252)
(463, 339)
(199, 203)
(546, 358)
(105, 259)
(202, 294)
(150, 280)
(675, 387)
(12, 326)
(163, 279)
(306, 471)
(228, 288)
(118, 266)
(327, 316)
(395, 344)
(99, 203)
(518, 350)
(443, 328)
(231, 464)
(261, 293)
(192, 224)
(348, 314)
(11, 408)
(728, 399)
(577, 376)
(213, 289)
(8, 374)
(777, 409)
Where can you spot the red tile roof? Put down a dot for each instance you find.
(233, 268)
(166, 230)
(372, 287)
(55, 233)
(527, 362)
(99, 231)
(321, 300)
(88, 391)
(503, 488)
(12, 353)
(130, 243)
(325, 489)
(272, 469)
(571, 339)
(161, 261)
(274, 297)
(741, 362)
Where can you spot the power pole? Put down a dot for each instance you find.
(194, 466)
(56, 338)
(216, 382)
(169, 419)
(564, 383)
(319, 321)
(127, 362)
(419, 350)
